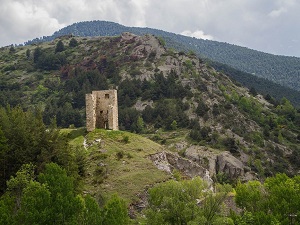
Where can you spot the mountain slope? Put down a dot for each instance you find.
(282, 70)
(174, 98)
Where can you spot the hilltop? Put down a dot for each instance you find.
(267, 73)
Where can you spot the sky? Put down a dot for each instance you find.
(266, 25)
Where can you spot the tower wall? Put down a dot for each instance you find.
(90, 112)
(105, 110)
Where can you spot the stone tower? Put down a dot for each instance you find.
(102, 110)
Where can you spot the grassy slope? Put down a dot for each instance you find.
(129, 174)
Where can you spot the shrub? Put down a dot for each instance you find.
(125, 139)
(120, 155)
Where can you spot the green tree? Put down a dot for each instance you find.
(10, 202)
(36, 54)
(173, 125)
(250, 195)
(51, 61)
(3, 158)
(28, 53)
(35, 205)
(140, 125)
(283, 197)
(212, 203)
(73, 43)
(202, 108)
(286, 109)
(6, 210)
(53, 201)
(270, 203)
(17, 184)
(186, 202)
(162, 41)
(60, 47)
(252, 91)
(12, 49)
(29, 142)
(115, 212)
(92, 212)
(174, 202)
(66, 207)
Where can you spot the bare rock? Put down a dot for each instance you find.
(229, 165)
(188, 167)
(168, 162)
(203, 156)
(161, 162)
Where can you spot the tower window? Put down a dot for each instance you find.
(106, 95)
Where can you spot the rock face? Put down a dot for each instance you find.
(168, 162)
(148, 44)
(203, 156)
(229, 165)
(203, 162)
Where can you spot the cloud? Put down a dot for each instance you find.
(197, 34)
(21, 20)
(250, 23)
(281, 8)
(277, 12)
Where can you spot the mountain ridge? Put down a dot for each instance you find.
(283, 70)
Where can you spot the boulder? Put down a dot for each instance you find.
(231, 166)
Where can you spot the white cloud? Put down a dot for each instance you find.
(250, 23)
(282, 7)
(197, 34)
(277, 12)
(21, 20)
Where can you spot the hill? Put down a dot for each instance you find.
(118, 162)
(281, 70)
(175, 98)
(179, 118)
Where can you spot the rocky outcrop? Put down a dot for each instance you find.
(229, 165)
(147, 44)
(202, 155)
(168, 162)
(200, 161)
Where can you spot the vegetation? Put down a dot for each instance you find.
(52, 199)
(175, 99)
(282, 70)
(180, 93)
(175, 202)
(273, 202)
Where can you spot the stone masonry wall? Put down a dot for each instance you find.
(102, 110)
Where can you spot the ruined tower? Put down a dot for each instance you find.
(102, 110)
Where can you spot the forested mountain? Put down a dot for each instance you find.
(282, 70)
(198, 121)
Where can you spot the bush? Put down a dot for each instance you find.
(125, 139)
(119, 155)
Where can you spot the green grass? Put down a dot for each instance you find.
(124, 165)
